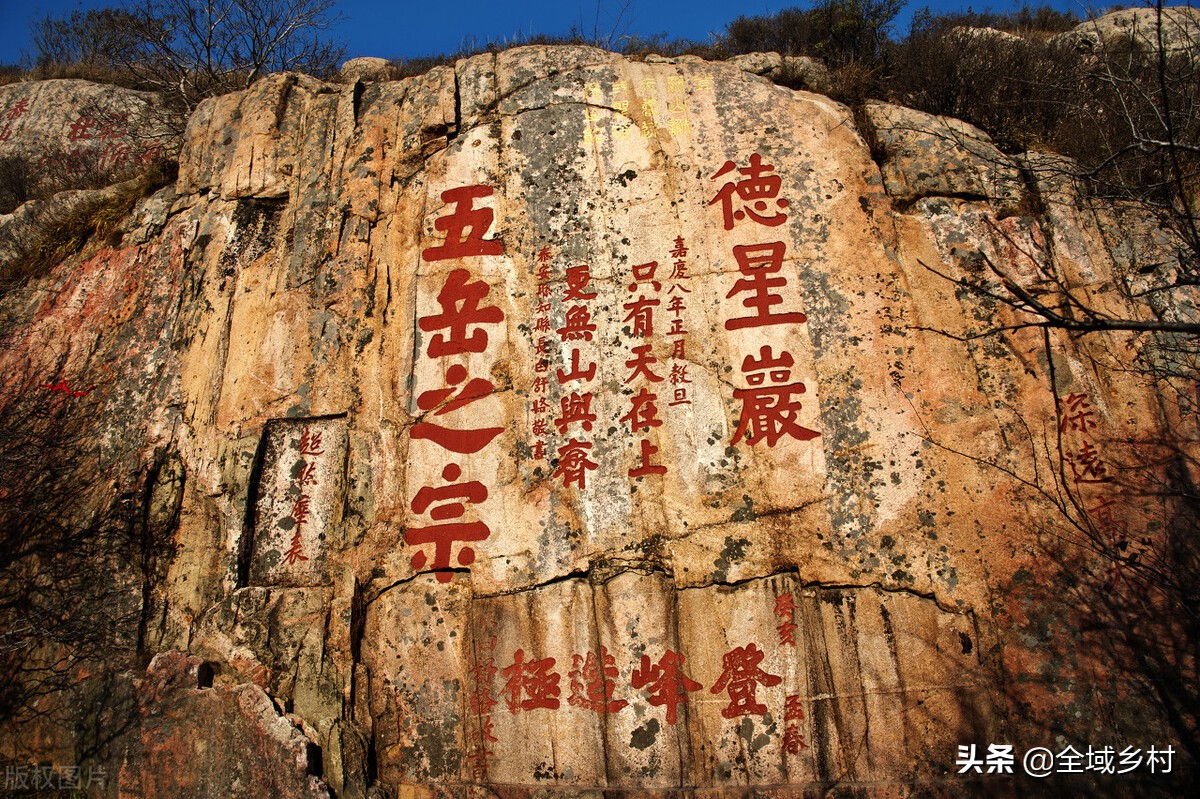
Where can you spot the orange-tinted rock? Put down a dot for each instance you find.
(745, 504)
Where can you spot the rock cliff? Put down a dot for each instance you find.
(558, 424)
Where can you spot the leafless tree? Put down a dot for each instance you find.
(73, 552)
(1126, 535)
(192, 49)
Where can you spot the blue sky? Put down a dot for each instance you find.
(394, 28)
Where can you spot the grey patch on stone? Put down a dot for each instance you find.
(644, 736)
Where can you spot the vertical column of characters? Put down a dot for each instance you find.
(11, 115)
(622, 100)
(647, 118)
(593, 97)
(678, 123)
(643, 406)
(677, 333)
(769, 405)
(481, 702)
(458, 330)
(793, 711)
(304, 474)
(539, 403)
(1093, 484)
(576, 418)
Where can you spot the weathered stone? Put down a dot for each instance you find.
(397, 266)
(73, 133)
(365, 68)
(802, 72)
(931, 156)
(758, 63)
(1180, 31)
(190, 739)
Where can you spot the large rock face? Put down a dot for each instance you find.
(557, 424)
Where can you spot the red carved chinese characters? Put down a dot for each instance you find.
(459, 329)
(530, 684)
(539, 407)
(592, 682)
(12, 114)
(642, 415)
(465, 226)
(757, 194)
(62, 386)
(482, 702)
(444, 536)
(666, 681)
(1076, 414)
(757, 263)
(576, 416)
(1096, 489)
(785, 613)
(740, 678)
(303, 475)
(460, 299)
(574, 464)
(677, 331)
(769, 407)
(793, 715)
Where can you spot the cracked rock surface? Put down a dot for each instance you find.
(785, 614)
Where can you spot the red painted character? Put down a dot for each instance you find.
(741, 678)
(640, 364)
(667, 683)
(793, 710)
(793, 741)
(577, 372)
(482, 702)
(769, 412)
(1087, 466)
(757, 262)
(310, 443)
(299, 515)
(1077, 415)
(82, 129)
(754, 190)
(578, 278)
(641, 316)
(785, 609)
(531, 684)
(459, 242)
(643, 412)
(578, 324)
(18, 110)
(305, 474)
(591, 682)
(443, 536)
(573, 463)
(460, 299)
(464, 442)
(644, 273)
(576, 407)
(647, 468)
